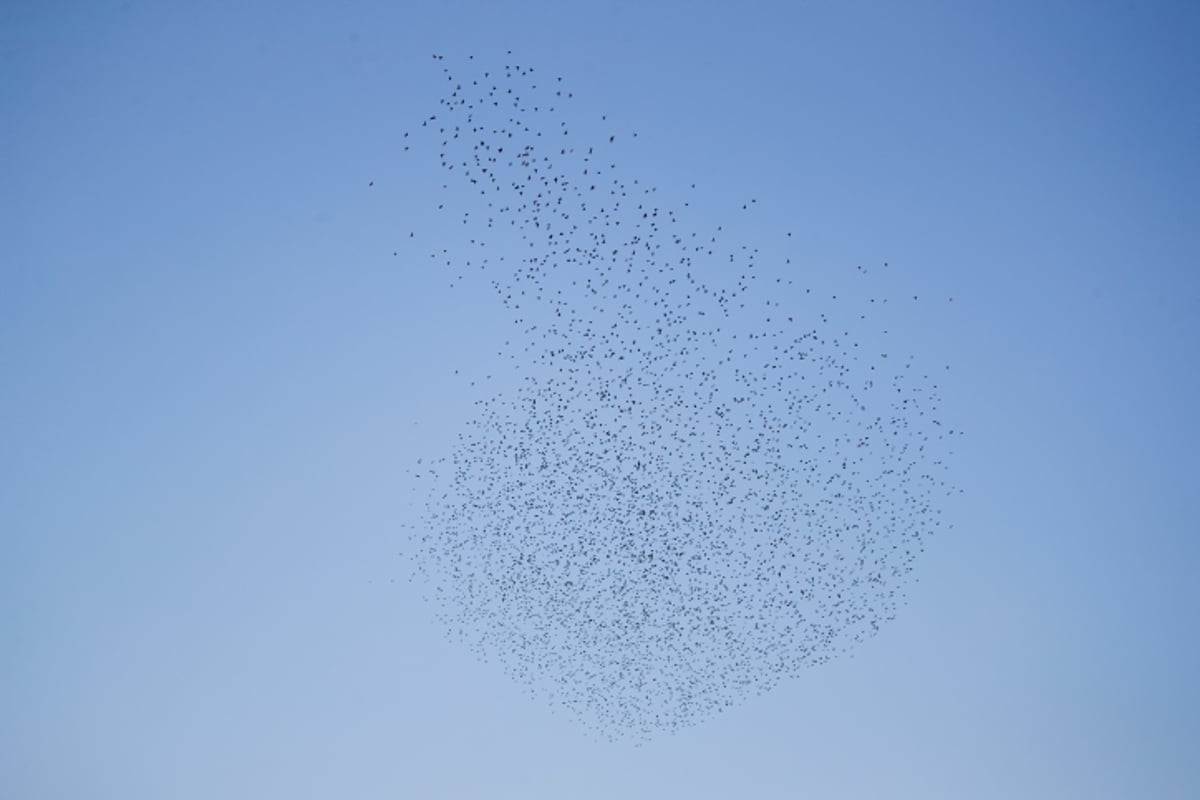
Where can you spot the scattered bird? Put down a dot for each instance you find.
(701, 487)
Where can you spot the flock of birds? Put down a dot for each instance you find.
(703, 483)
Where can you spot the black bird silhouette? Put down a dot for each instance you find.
(699, 487)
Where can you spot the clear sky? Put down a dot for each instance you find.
(215, 376)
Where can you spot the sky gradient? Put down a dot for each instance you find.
(216, 376)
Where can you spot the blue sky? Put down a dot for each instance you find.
(216, 376)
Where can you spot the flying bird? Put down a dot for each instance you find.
(703, 481)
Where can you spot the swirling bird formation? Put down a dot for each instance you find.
(703, 484)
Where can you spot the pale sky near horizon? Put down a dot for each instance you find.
(216, 377)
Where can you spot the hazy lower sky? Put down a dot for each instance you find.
(215, 377)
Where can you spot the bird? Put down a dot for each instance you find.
(698, 482)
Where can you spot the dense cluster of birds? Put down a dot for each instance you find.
(703, 483)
